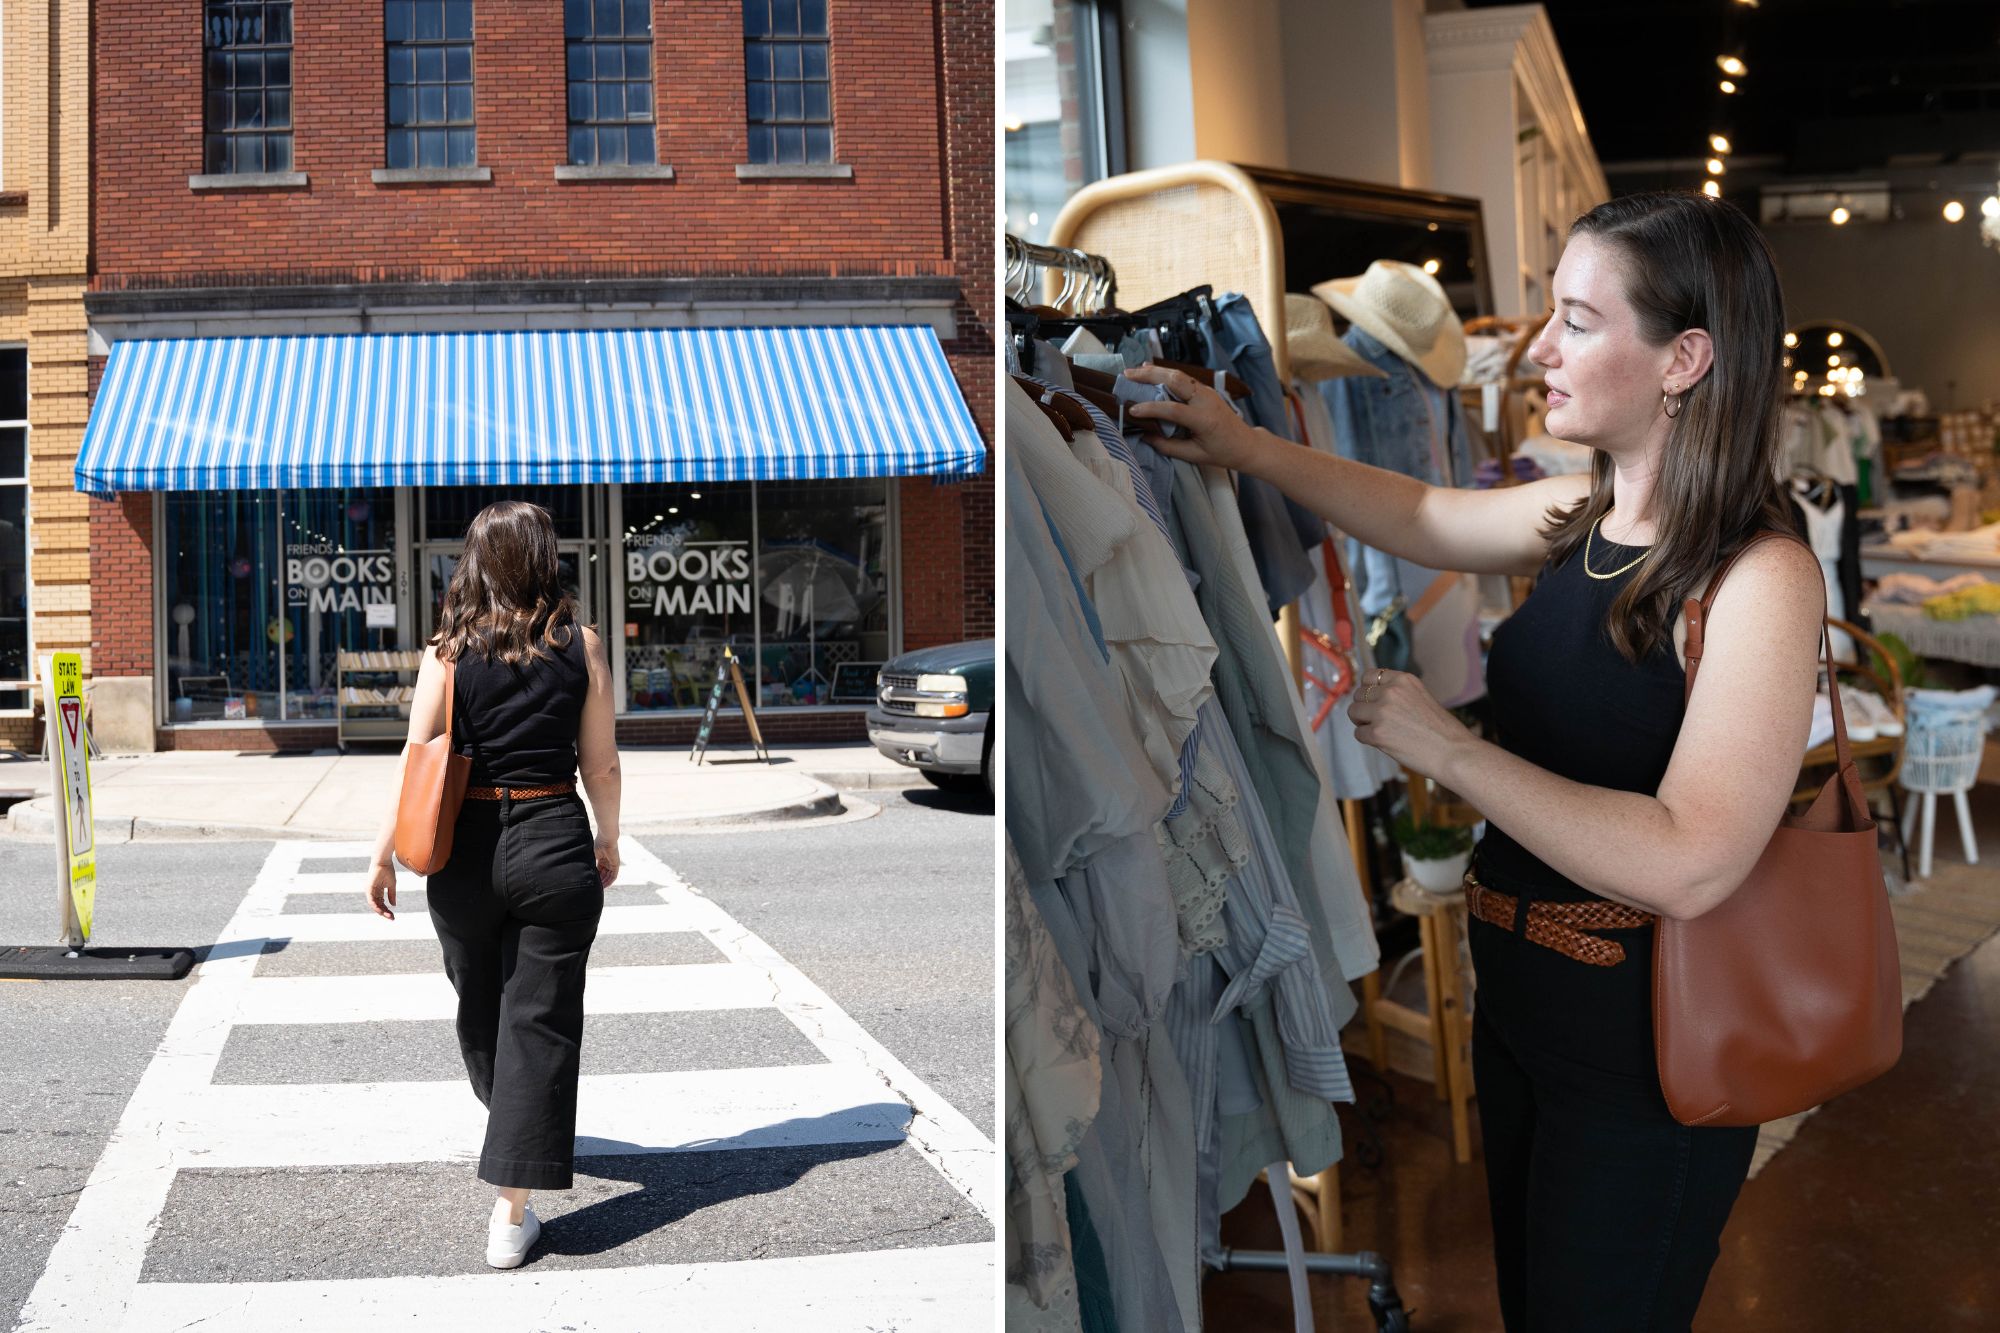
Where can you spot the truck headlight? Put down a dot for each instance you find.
(943, 696)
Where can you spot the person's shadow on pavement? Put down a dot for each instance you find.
(675, 1185)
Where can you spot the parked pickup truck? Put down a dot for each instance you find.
(934, 711)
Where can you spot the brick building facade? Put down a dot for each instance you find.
(895, 229)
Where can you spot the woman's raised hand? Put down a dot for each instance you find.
(1213, 433)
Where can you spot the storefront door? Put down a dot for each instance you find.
(441, 559)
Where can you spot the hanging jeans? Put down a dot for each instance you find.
(1607, 1212)
(516, 910)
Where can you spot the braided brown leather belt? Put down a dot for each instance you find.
(518, 793)
(1559, 926)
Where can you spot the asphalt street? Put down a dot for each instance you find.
(751, 1143)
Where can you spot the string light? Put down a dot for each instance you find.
(1990, 206)
(1711, 189)
(1833, 361)
(1718, 143)
(1431, 266)
(1839, 217)
(1791, 340)
(1715, 166)
(1727, 86)
(1835, 339)
(1732, 66)
(1954, 211)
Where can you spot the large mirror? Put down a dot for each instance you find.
(1336, 228)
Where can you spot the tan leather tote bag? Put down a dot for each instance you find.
(1790, 992)
(434, 778)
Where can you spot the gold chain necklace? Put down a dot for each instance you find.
(1586, 554)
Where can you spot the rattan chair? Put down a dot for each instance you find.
(1879, 761)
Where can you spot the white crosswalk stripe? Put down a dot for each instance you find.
(178, 1119)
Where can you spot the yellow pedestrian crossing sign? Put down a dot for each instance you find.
(69, 749)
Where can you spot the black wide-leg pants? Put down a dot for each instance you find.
(516, 910)
(1607, 1212)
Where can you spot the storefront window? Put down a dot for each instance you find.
(340, 588)
(1056, 130)
(688, 589)
(823, 581)
(225, 613)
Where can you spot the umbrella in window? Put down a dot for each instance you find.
(810, 583)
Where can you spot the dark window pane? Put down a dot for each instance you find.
(249, 110)
(13, 384)
(579, 61)
(784, 60)
(760, 101)
(430, 104)
(215, 155)
(396, 20)
(761, 149)
(464, 150)
(639, 61)
(639, 145)
(430, 64)
(812, 57)
(576, 18)
(402, 65)
(756, 18)
(218, 111)
(458, 20)
(638, 18)
(819, 143)
(430, 20)
(606, 17)
(430, 148)
(402, 149)
(278, 109)
(250, 153)
(638, 101)
(458, 64)
(611, 147)
(458, 103)
(791, 145)
(582, 147)
(582, 102)
(611, 101)
(13, 452)
(277, 23)
(13, 583)
(784, 18)
(812, 18)
(218, 70)
(788, 102)
(277, 152)
(402, 106)
(610, 60)
(817, 107)
(757, 60)
(249, 71)
(278, 69)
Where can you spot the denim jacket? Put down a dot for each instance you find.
(1403, 423)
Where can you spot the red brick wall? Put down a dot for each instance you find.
(150, 229)
(971, 135)
(121, 586)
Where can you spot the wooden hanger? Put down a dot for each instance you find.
(1034, 391)
(1231, 386)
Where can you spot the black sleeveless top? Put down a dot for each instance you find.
(519, 724)
(1564, 699)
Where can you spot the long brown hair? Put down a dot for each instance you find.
(1693, 262)
(506, 598)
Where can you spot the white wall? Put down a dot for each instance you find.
(1355, 87)
(1159, 110)
(1235, 53)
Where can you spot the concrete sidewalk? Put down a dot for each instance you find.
(324, 794)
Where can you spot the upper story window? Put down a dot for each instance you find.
(790, 96)
(247, 119)
(610, 82)
(430, 83)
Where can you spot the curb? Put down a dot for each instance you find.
(871, 779)
(31, 819)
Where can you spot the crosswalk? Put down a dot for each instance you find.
(183, 1118)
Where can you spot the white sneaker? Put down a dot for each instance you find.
(1860, 721)
(1885, 716)
(1870, 710)
(507, 1244)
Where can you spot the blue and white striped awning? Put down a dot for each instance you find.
(520, 408)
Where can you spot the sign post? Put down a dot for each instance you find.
(69, 752)
(727, 670)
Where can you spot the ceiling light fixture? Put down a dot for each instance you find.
(1712, 189)
(1791, 340)
(1732, 66)
(1954, 211)
(1431, 266)
(1839, 217)
(1835, 339)
(1990, 206)
(1727, 86)
(1833, 361)
(1718, 143)
(1715, 166)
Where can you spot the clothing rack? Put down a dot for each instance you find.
(1173, 229)
(1087, 279)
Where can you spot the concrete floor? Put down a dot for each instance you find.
(1884, 1212)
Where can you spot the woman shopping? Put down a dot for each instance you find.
(1609, 803)
(516, 906)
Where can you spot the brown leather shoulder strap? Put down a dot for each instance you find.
(1695, 610)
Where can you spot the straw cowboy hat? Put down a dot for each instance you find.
(1406, 309)
(1310, 344)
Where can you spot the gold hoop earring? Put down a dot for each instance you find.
(1679, 404)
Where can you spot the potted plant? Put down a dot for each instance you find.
(1434, 855)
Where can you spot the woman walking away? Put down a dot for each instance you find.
(1609, 803)
(516, 906)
